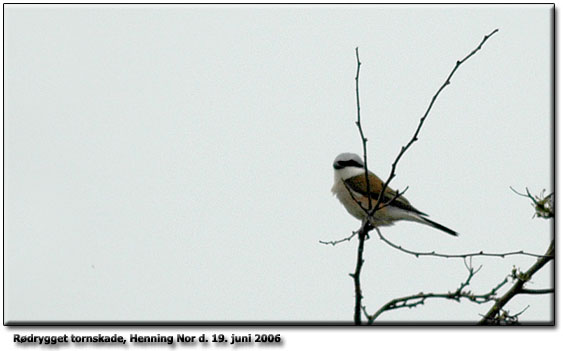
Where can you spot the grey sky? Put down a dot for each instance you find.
(174, 162)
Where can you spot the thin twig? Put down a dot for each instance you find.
(397, 195)
(335, 242)
(359, 125)
(522, 194)
(543, 204)
(519, 313)
(436, 254)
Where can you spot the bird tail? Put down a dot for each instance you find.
(437, 226)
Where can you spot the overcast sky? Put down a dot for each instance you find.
(174, 163)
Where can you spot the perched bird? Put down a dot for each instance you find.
(350, 187)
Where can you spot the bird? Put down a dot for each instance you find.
(350, 187)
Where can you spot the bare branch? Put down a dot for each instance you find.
(537, 291)
(366, 226)
(457, 295)
(473, 254)
(356, 275)
(362, 233)
(493, 314)
(414, 138)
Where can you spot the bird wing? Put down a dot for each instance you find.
(358, 184)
